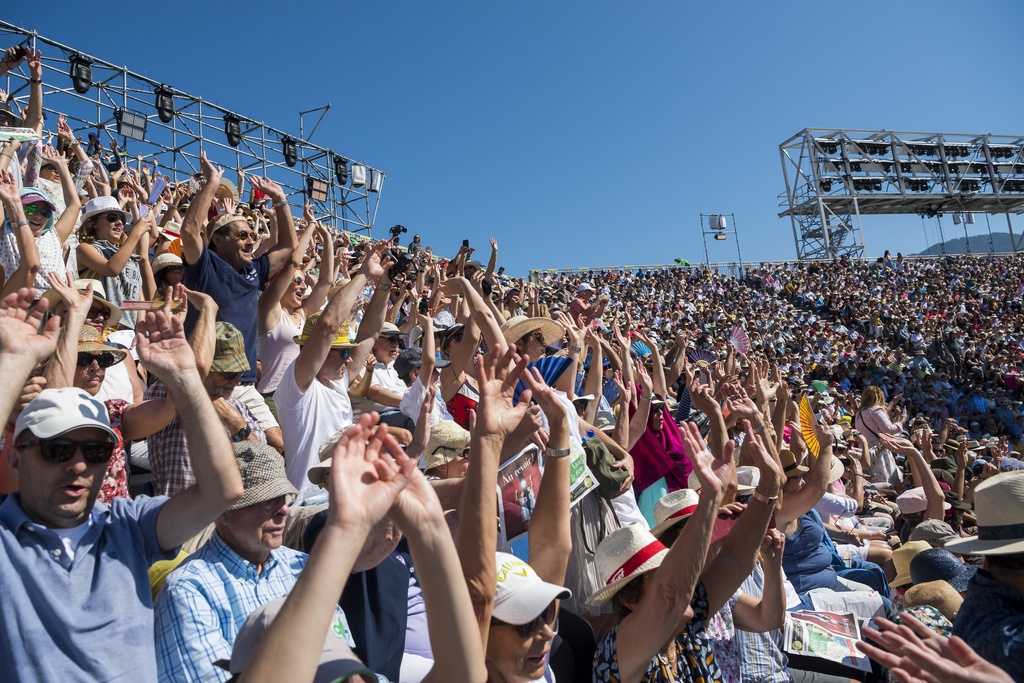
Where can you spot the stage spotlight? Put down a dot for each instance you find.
(291, 152)
(233, 129)
(341, 170)
(165, 103)
(81, 72)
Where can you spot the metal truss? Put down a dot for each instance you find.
(833, 177)
(195, 125)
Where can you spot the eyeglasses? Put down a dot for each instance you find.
(528, 629)
(113, 217)
(62, 450)
(105, 359)
(298, 280)
(33, 209)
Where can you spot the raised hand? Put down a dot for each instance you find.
(376, 264)
(368, 471)
(20, 320)
(74, 300)
(542, 394)
(772, 548)
(644, 378)
(268, 187)
(210, 172)
(421, 435)
(498, 375)
(162, 346)
(35, 63)
(713, 474)
(9, 194)
(772, 474)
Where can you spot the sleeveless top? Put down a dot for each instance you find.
(277, 351)
(806, 559)
(462, 402)
(127, 286)
(51, 257)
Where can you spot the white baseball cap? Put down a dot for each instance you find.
(59, 411)
(521, 596)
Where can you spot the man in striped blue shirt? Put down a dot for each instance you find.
(243, 566)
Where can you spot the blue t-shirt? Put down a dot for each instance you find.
(235, 293)
(87, 619)
(806, 559)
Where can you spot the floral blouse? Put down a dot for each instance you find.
(693, 652)
(115, 480)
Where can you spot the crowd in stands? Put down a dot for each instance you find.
(245, 445)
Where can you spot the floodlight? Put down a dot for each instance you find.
(341, 170)
(721, 237)
(131, 124)
(316, 189)
(81, 72)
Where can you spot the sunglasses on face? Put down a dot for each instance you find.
(99, 312)
(527, 630)
(62, 450)
(104, 359)
(298, 280)
(33, 209)
(344, 353)
(113, 217)
(230, 376)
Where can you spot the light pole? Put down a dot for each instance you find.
(718, 228)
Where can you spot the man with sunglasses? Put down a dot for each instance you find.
(77, 601)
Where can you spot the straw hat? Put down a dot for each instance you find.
(54, 304)
(227, 190)
(447, 439)
(999, 505)
(836, 471)
(515, 328)
(90, 341)
(901, 558)
(225, 219)
(938, 594)
(622, 556)
(341, 338)
(317, 473)
(166, 261)
(790, 466)
(673, 508)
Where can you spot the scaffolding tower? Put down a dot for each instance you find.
(159, 121)
(833, 177)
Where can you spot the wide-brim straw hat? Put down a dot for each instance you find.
(227, 190)
(790, 467)
(54, 304)
(447, 440)
(517, 327)
(836, 471)
(901, 558)
(90, 341)
(317, 473)
(166, 261)
(341, 338)
(999, 506)
(622, 556)
(673, 508)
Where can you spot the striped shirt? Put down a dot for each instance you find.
(763, 659)
(206, 600)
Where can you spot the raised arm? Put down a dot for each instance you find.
(328, 274)
(923, 475)
(282, 250)
(164, 352)
(269, 304)
(192, 243)
(29, 261)
(72, 204)
(22, 347)
(796, 504)
(60, 371)
(549, 538)
(663, 607)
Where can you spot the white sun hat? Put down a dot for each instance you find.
(999, 505)
(673, 508)
(622, 556)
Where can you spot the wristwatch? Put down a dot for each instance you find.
(242, 434)
(557, 452)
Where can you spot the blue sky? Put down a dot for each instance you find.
(581, 134)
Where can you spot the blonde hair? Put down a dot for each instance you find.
(872, 397)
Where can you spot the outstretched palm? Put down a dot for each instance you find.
(19, 327)
(162, 346)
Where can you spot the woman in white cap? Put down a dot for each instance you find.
(663, 597)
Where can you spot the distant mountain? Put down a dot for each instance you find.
(979, 245)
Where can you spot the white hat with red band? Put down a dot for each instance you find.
(622, 556)
(673, 508)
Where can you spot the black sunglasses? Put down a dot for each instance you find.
(231, 376)
(105, 359)
(527, 630)
(113, 217)
(62, 450)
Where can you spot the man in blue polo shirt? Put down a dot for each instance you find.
(226, 270)
(76, 598)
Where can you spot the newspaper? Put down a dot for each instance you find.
(19, 134)
(827, 635)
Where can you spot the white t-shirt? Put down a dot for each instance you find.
(385, 377)
(412, 401)
(308, 419)
(116, 384)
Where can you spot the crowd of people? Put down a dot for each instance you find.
(245, 445)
